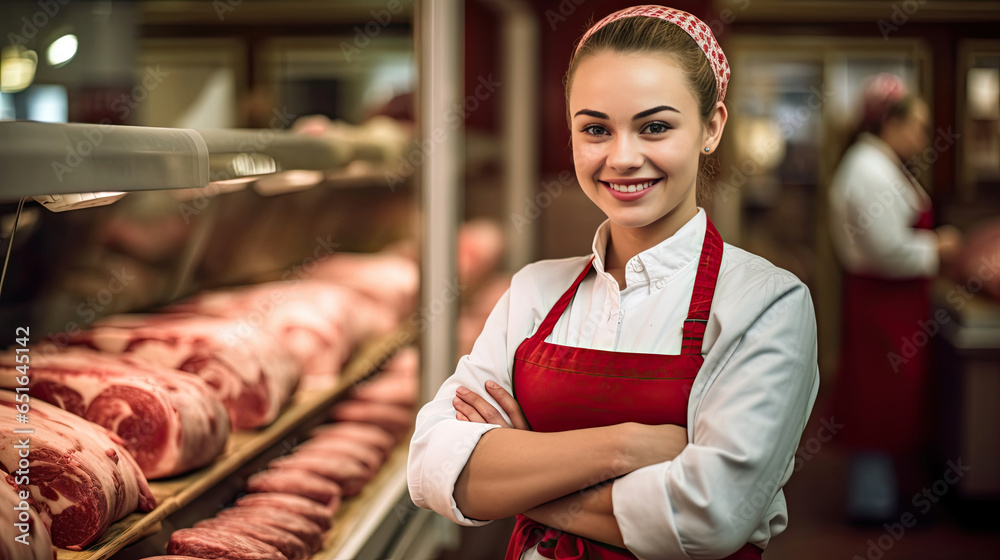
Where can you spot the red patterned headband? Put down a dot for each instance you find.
(691, 25)
(879, 94)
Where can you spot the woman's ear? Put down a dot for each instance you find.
(716, 124)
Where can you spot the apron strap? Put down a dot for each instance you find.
(704, 290)
(701, 298)
(557, 310)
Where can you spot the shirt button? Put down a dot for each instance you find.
(659, 284)
(637, 266)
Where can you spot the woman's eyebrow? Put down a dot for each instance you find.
(637, 116)
(653, 111)
(591, 113)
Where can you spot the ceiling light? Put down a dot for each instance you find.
(62, 50)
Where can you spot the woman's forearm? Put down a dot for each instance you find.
(511, 471)
(588, 513)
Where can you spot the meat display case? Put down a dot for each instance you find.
(381, 522)
(129, 159)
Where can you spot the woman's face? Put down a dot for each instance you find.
(637, 137)
(909, 136)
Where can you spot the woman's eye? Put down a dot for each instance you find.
(656, 128)
(595, 130)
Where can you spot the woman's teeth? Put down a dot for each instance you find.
(632, 188)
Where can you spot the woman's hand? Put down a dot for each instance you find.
(470, 407)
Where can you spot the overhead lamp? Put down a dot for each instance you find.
(76, 201)
(62, 50)
(17, 68)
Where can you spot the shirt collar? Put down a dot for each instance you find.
(655, 266)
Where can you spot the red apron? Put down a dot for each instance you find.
(602, 388)
(881, 388)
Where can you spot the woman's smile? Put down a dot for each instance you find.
(629, 189)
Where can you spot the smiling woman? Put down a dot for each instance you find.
(668, 375)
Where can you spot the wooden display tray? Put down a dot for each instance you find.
(175, 493)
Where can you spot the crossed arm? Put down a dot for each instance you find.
(559, 479)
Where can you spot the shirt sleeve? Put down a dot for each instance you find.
(441, 444)
(879, 222)
(709, 501)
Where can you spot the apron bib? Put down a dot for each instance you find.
(602, 388)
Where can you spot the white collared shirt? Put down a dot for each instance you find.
(747, 409)
(873, 205)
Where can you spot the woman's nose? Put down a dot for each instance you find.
(624, 154)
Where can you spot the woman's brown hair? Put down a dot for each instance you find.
(647, 35)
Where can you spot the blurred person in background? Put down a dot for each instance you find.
(882, 228)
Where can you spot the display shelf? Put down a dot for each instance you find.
(174, 494)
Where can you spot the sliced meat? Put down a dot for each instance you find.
(210, 543)
(368, 455)
(291, 546)
(318, 514)
(357, 431)
(297, 481)
(80, 477)
(349, 473)
(319, 323)
(248, 370)
(22, 539)
(389, 389)
(298, 525)
(395, 419)
(169, 420)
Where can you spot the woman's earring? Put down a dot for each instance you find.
(707, 148)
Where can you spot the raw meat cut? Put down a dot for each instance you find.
(980, 259)
(480, 248)
(208, 543)
(349, 474)
(395, 419)
(319, 323)
(368, 455)
(249, 371)
(318, 514)
(80, 477)
(298, 525)
(363, 432)
(391, 387)
(296, 481)
(387, 278)
(291, 546)
(169, 420)
(24, 524)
